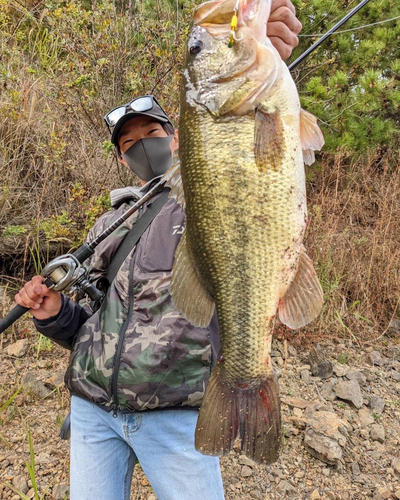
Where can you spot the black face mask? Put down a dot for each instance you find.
(149, 157)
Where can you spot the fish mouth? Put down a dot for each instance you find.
(247, 69)
(216, 16)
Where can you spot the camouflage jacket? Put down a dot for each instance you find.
(136, 352)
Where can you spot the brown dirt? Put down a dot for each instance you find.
(296, 475)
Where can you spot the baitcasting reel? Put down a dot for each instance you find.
(66, 274)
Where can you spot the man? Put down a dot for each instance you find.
(138, 369)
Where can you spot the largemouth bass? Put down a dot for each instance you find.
(243, 141)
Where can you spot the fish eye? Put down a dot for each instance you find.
(196, 47)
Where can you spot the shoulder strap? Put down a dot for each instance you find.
(134, 235)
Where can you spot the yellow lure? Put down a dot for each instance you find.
(233, 29)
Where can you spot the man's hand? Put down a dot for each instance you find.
(283, 27)
(42, 301)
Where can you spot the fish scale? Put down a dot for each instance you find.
(244, 186)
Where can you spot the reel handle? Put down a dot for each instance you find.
(12, 316)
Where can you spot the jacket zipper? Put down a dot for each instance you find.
(114, 382)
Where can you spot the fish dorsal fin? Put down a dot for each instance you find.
(311, 136)
(269, 140)
(304, 298)
(188, 293)
(173, 180)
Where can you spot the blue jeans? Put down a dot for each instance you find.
(104, 450)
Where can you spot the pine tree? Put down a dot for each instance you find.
(352, 81)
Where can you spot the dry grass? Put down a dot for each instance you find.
(59, 76)
(353, 236)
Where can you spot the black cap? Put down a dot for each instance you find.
(155, 112)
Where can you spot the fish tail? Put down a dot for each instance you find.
(250, 412)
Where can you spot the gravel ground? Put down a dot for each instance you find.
(360, 430)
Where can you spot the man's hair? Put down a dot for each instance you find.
(168, 128)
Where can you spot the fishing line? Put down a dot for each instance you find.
(357, 28)
(328, 34)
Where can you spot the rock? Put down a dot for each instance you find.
(356, 375)
(320, 364)
(396, 465)
(296, 402)
(305, 376)
(395, 375)
(355, 468)
(55, 380)
(393, 328)
(285, 488)
(331, 495)
(368, 373)
(382, 493)
(327, 391)
(43, 458)
(349, 391)
(61, 491)
(377, 433)
(365, 417)
(246, 471)
(20, 483)
(300, 423)
(340, 370)
(315, 495)
(18, 349)
(36, 386)
(243, 460)
(378, 450)
(376, 358)
(394, 363)
(325, 436)
(297, 412)
(377, 404)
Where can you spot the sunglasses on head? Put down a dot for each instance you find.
(139, 105)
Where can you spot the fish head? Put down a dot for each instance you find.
(230, 79)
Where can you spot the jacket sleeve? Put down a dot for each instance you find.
(63, 327)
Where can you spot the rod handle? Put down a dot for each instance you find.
(12, 316)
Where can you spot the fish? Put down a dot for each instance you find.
(244, 140)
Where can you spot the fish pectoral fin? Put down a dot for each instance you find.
(311, 136)
(269, 140)
(304, 298)
(188, 293)
(232, 410)
(173, 180)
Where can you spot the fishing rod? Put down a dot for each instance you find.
(66, 273)
(327, 34)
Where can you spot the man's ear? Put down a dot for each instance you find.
(121, 160)
(119, 156)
